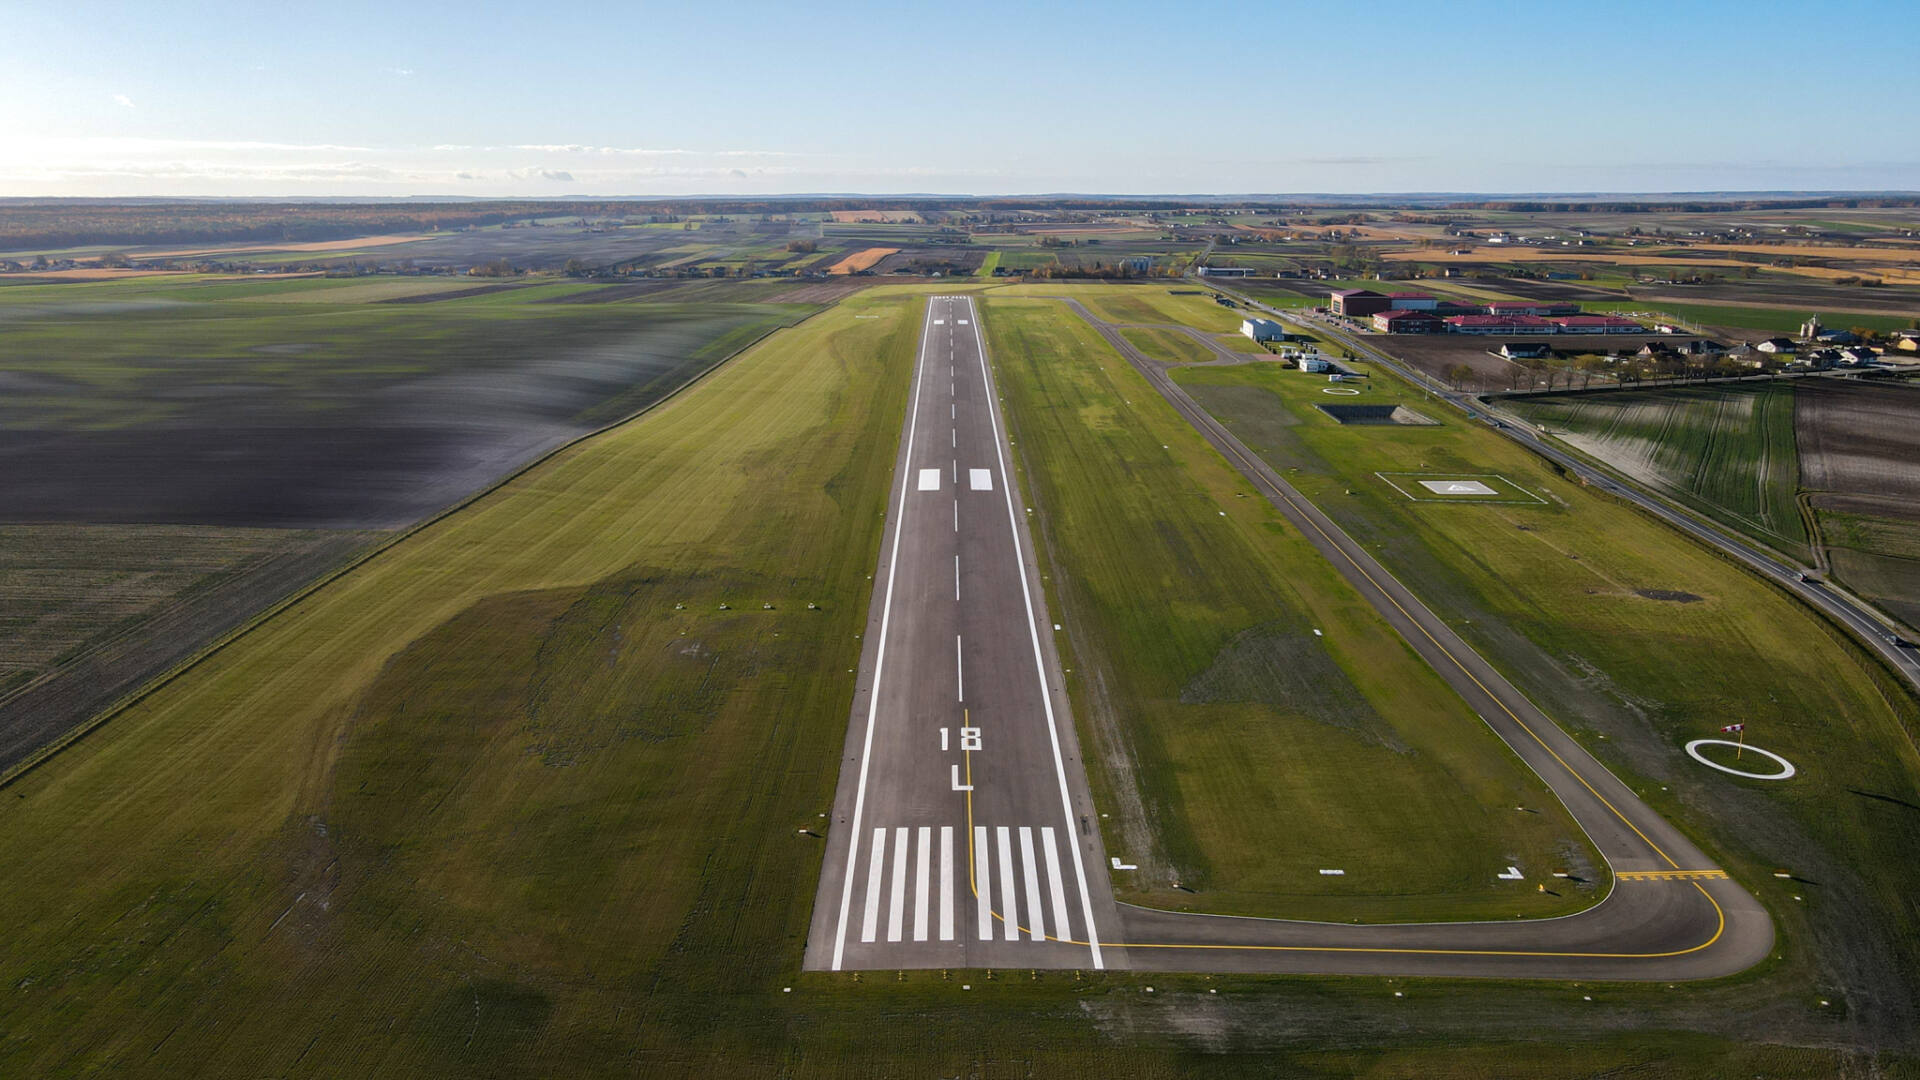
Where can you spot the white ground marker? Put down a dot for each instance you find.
(980, 479)
(946, 883)
(922, 858)
(1010, 907)
(869, 923)
(1054, 883)
(982, 895)
(1030, 873)
(929, 479)
(896, 904)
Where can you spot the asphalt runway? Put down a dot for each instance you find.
(946, 856)
(962, 831)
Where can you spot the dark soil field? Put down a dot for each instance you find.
(87, 613)
(1815, 297)
(178, 454)
(1860, 468)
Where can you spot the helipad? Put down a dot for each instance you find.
(1457, 487)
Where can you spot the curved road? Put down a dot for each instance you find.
(1672, 914)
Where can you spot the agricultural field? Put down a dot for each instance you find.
(1637, 640)
(179, 453)
(1820, 469)
(1723, 451)
(1236, 687)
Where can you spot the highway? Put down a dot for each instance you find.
(962, 829)
(1849, 611)
(941, 856)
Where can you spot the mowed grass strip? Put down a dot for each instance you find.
(1725, 451)
(509, 795)
(1171, 346)
(1256, 721)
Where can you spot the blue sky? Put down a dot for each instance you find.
(652, 99)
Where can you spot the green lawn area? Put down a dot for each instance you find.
(1182, 303)
(1172, 346)
(988, 265)
(1725, 451)
(1236, 687)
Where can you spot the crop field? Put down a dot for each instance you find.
(177, 454)
(1784, 319)
(1637, 640)
(1237, 688)
(1726, 452)
(1748, 457)
(124, 399)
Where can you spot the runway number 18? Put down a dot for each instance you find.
(969, 738)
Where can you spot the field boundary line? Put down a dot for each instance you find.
(87, 727)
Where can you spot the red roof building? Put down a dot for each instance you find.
(1598, 324)
(1409, 322)
(1501, 324)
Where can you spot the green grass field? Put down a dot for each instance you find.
(1238, 689)
(1726, 452)
(1172, 346)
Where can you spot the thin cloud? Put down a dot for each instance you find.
(123, 101)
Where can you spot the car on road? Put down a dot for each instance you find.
(1899, 642)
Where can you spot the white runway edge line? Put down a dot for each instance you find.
(1039, 663)
(879, 665)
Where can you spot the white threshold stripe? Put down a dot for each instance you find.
(1039, 663)
(879, 666)
(1009, 907)
(1054, 884)
(982, 896)
(946, 883)
(870, 922)
(920, 865)
(1030, 873)
(896, 903)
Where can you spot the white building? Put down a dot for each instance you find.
(1263, 330)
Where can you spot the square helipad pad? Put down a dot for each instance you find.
(1457, 487)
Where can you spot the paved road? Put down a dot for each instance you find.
(1032, 889)
(962, 831)
(1848, 610)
